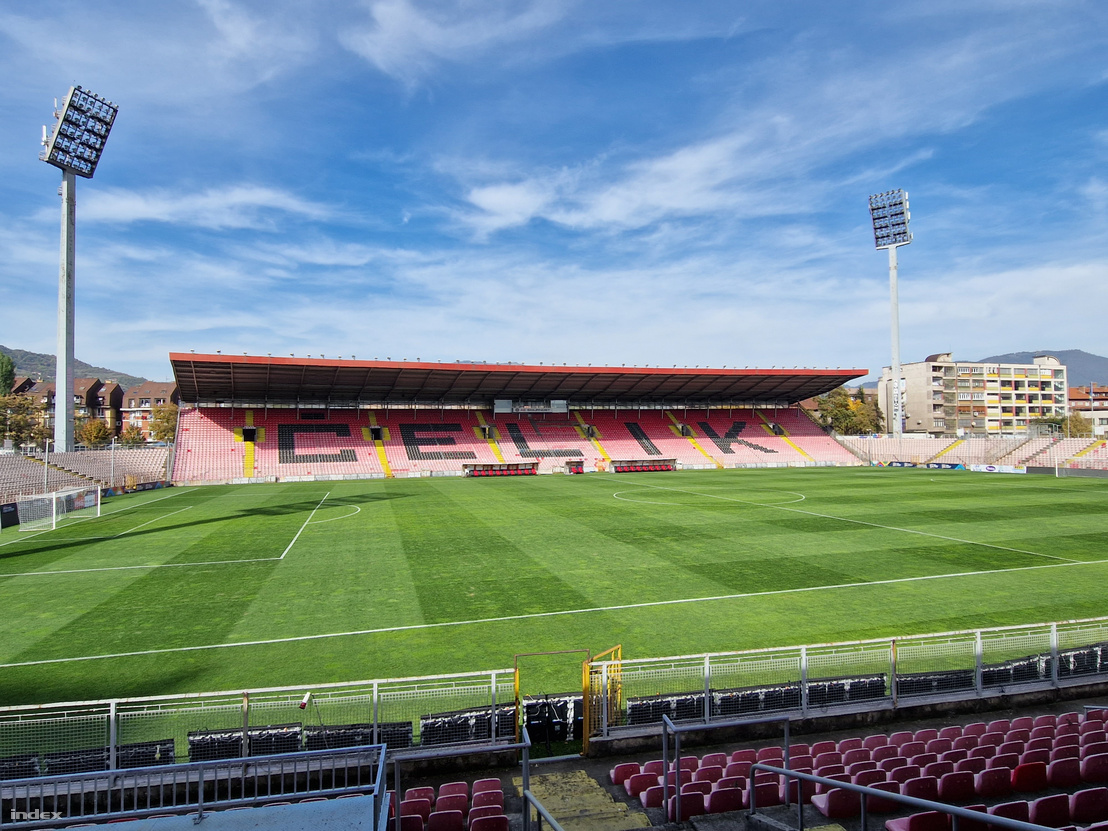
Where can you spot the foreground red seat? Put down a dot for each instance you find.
(926, 821)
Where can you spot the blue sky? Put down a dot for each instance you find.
(559, 181)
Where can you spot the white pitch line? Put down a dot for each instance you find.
(870, 524)
(171, 565)
(357, 510)
(537, 615)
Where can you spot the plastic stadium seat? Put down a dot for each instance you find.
(901, 737)
(420, 793)
(497, 822)
(1035, 756)
(983, 751)
(655, 766)
(954, 756)
(722, 801)
(674, 776)
(995, 739)
(744, 756)
(411, 822)
(939, 746)
(849, 744)
(838, 803)
(1008, 760)
(978, 728)
(1093, 738)
(857, 754)
(417, 807)
(1022, 723)
(1044, 743)
(619, 774)
(859, 767)
(1029, 777)
(1091, 726)
(692, 804)
(957, 787)
(971, 764)
(1000, 725)
(822, 787)
(652, 797)
(452, 788)
(926, 821)
(1064, 773)
(1069, 751)
(825, 759)
(494, 784)
(1096, 749)
(452, 802)
(922, 760)
(1095, 768)
(449, 820)
(868, 777)
(1043, 731)
(800, 749)
(966, 742)
(1020, 735)
(792, 789)
(1010, 747)
(1067, 739)
(822, 747)
(887, 751)
(703, 788)
(952, 732)
(926, 734)
(832, 771)
(708, 774)
(905, 773)
(1051, 811)
(892, 763)
(720, 760)
(938, 769)
(731, 782)
(639, 782)
(801, 761)
(993, 783)
(764, 795)
(768, 754)
(484, 811)
(912, 748)
(1020, 810)
(922, 787)
(1089, 806)
(737, 769)
(1046, 720)
(875, 741)
(883, 805)
(484, 798)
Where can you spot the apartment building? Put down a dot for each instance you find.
(1092, 403)
(139, 403)
(944, 397)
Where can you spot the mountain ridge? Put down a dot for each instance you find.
(1082, 368)
(42, 366)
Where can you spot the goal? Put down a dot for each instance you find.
(45, 511)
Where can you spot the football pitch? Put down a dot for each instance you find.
(240, 587)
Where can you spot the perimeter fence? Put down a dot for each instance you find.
(50, 739)
(625, 695)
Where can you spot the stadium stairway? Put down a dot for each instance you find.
(579, 803)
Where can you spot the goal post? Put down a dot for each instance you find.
(44, 512)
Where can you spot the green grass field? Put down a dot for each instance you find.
(335, 581)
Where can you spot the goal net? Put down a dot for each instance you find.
(46, 511)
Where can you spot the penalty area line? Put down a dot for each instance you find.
(539, 615)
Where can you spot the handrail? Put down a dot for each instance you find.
(529, 800)
(955, 811)
(668, 725)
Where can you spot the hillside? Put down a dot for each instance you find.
(42, 366)
(1082, 368)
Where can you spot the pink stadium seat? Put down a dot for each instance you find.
(725, 800)
(655, 766)
(993, 783)
(1020, 810)
(859, 754)
(719, 760)
(804, 761)
(1093, 737)
(859, 767)
(868, 777)
(769, 754)
(983, 751)
(800, 749)
(639, 782)
(845, 745)
(952, 732)
(903, 774)
(1046, 720)
(887, 751)
(1069, 751)
(901, 737)
(764, 796)
(875, 741)
(689, 763)
(619, 774)
(737, 769)
(954, 756)
(966, 742)
(884, 805)
(939, 746)
(1064, 773)
(453, 788)
(926, 734)
(1000, 725)
(1022, 723)
(976, 729)
(483, 798)
(822, 747)
(957, 787)
(484, 811)
(889, 765)
(1039, 744)
(739, 782)
(1018, 735)
(652, 797)
(1035, 756)
(922, 760)
(1095, 749)
(454, 802)
(825, 759)
(938, 769)
(1010, 747)
(838, 803)
(1008, 760)
(1095, 768)
(417, 807)
(995, 739)
(922, 787)
(1051, 811)
(912, 748)
(747, 755)
(1067, 740)
(971, 764)
(421, 793)
(708, 774)
(692, 804)
(1089, 806)
(832, 771)
(494, 784)
(703, 788)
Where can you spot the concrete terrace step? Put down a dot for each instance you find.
(579, 803)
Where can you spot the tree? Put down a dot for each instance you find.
(163, 422)
(21, 418)
(132, 436)
(1076, 426)
(7, 374)
(94, 433)
(847, 415)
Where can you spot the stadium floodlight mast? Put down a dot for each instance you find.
(80, 132)
(889, 211)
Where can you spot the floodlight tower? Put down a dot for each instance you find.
(75, 145)
(889, 212)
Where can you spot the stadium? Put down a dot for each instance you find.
(679, 550)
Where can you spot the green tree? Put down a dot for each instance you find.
(849, 415)
(21, 419)
(163, 422)
(94, 433)
(1076, 426)
(132, 436)
(7, 374)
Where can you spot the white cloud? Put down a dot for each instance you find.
(236, 207)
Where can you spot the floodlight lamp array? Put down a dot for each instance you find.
(81, 131)
(889, 211)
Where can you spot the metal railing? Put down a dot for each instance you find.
(845, 677)
(956, 813)
(196, 787)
